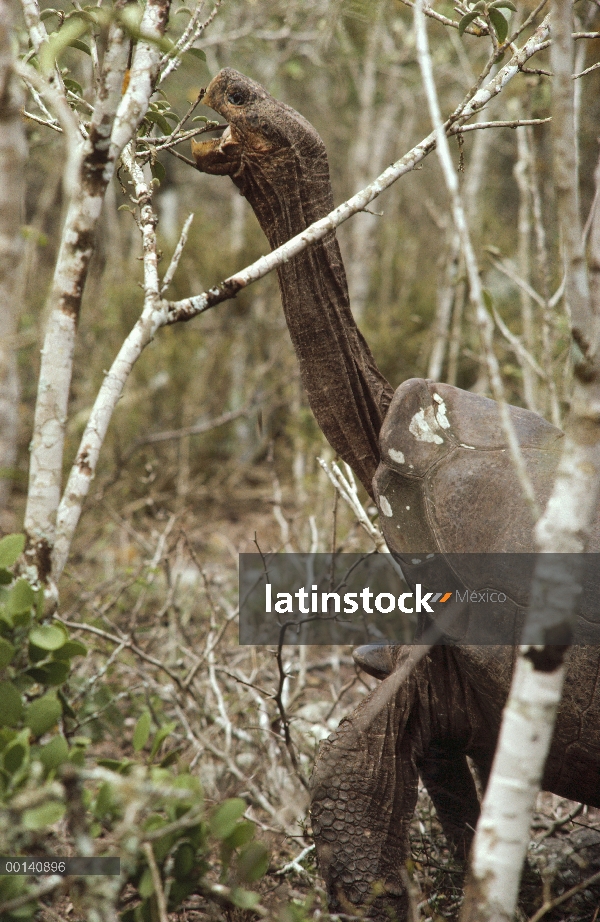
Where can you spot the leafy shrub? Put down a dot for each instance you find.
(153, 814)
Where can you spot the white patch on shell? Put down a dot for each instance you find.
(407, 508)
(472, 447)
(423, 426)
(440, 413)
(396, 456)
(385, 506)
(416, 560)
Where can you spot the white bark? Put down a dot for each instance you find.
(484, 321)
(114, 121)
(374, 127)
(503, 828)
(13, 154)
(521, 173)
(152, 318)
(503, 832)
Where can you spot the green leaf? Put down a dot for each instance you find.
(503, 4)
(59, 40)
(130, 17)
(54, 673)
(15, 755)
(245, 899)
(11, 548)
(11, 705)
(106, 804)
(161, 736)
(69, 712)
(43, 713)
(73, 86)
(46, 815)
(242, 834)
(20, 598)
(183, 860)
(48, 636)
(158, 119)
(142, 731)
(466, 21)
(39, 603)
(171, 757)
(197, 53)
(54, 753)
(81, 46)
(253, 862)
(115, 765)
(226, 816)
(158, 170)
(6, 577)
(145, 886)
(70, 649)
(488, 299)
(499, 23)
(7, 651)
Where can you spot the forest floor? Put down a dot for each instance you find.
(161, 570)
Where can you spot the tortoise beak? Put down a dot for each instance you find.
(213, 95)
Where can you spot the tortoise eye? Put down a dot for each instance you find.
(236, 98)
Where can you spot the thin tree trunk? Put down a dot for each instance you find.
(521, 174)
(503, 831)
(374, 129)
(13, 154)
(114, 122)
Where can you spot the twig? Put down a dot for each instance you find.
(346, 487)
(587, 71)
(223, 896)
(285, 721)
(514, 123)
(445, 20)
(559, 900)
(518, 346)
(156, 881)
(558, 824)
(295, 865)
(168, 276)
(125, 642)
(42, 121)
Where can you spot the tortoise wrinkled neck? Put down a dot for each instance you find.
(279, 163)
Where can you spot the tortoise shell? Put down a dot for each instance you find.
(446, 482)
(446, 485)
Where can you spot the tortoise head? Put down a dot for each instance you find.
(264, 138)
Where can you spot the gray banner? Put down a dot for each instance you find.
(376, 598)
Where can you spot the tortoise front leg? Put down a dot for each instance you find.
(449, 782)
(364, 792)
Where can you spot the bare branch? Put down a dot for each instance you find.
(484, 321)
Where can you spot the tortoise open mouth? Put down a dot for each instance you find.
(222, 127)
